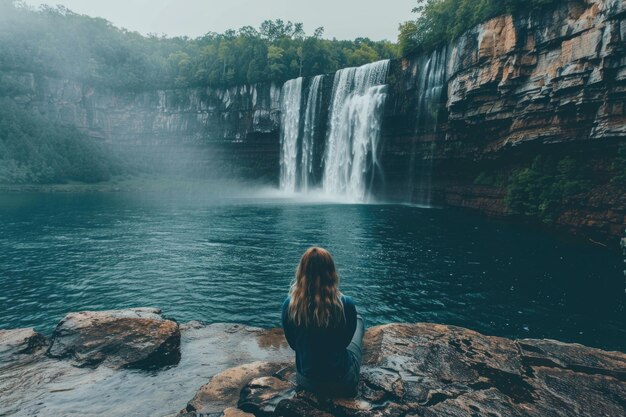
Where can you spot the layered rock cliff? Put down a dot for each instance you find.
(549, 85)
(214, 131)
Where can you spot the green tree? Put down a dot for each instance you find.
(57, 42)
(441, 21)
(275, 62)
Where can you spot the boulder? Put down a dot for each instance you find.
(133, 338)
(437, 370)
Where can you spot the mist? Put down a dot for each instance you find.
(196, 17)
(198, 108)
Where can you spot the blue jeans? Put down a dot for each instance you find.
(347, 386)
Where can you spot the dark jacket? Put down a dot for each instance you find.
(321, 352)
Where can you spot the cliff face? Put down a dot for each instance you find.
(550, 85)
(232, 129)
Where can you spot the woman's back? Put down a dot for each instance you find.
(323, 327)
(321, 352)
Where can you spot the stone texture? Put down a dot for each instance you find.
(408, 370)
(20, 342)
(436, 370)
(528, 70)
(33, 384)
(550, 83)
(223, 390)
(133, 338)
(221, 131)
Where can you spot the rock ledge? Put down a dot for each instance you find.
(408, 370)
(435, 370)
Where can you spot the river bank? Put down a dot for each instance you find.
(137, 363)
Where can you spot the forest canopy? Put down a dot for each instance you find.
(57, 41)
(442, 21)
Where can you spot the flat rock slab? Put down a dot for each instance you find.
(19, 342)
(133, 338)
(34, 384)
(436, 370)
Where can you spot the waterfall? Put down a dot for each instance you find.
(351, 158)
(430, 88)
(352, 141)
(313, 108)
(291, 99)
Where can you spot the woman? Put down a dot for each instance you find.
(323, 327)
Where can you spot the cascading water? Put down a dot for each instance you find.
(431, 83)
(352, 142)
(357, 104)
(313, 108)
(291, 101)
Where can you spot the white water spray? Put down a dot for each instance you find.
(290, 131)
(313, 108)
(352, 144)
(431, 83)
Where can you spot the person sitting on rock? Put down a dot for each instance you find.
(323, 328)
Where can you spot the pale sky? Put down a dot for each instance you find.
(343, 19)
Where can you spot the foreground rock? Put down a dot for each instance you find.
(408, 370)
(134, 338)
(19, 342)
(223, 391)
(35, 384)
(436, 370)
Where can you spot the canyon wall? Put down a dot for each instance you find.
(211, 131)
(523, 116)
(548, 85)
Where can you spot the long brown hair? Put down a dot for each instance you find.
(315, 295)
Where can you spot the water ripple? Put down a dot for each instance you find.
(232, 261)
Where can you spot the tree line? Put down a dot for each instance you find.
(441, 21)
(57, 41)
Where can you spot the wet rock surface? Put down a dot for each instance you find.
(408, 370)
(224, 389)
(20, 342)
(134, 338)
(437, 370)
(34, 384)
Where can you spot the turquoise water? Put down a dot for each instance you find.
(202, 256)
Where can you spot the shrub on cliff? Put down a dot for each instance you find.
(619, 167)
(539, 190)
(441, 21)
(35, 150)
